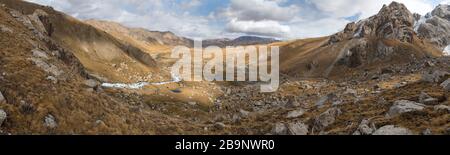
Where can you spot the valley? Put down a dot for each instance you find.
(386, 75)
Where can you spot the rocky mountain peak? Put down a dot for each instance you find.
(435, 26)
(393, 21)
(442, 11)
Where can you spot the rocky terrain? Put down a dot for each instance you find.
(385, 75)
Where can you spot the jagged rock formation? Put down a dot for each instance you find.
(394, 21)
(385, 38)
(435, 26)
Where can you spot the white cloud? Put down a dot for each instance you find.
(257, 10)
(346, 8)
(445, 2)
(161, 15)
(260, 17)
(264, 28)
(279, 18)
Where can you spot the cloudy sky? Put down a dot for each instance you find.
(205, 19)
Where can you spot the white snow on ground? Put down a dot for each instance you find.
(140, 85)
(422, 20)
(447, 51)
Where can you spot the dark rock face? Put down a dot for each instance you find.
(435, 26)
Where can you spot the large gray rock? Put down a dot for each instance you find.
(365, 128)
(326, 118)
(2, 98)
(280, 129)
(446, 85)
(435, 26)
(91, 83)
(404, 106)
(50, 122)
(297, 128)
(2, 116)
(392, 130)
(49, 68)
(435, 76)
(427, 99)
(442, 108)
(295, 113)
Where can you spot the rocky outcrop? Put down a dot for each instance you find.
(394, 21)
(392, 130)
(404, 106)
(435, 26)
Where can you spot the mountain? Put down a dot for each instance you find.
(435, 27)
(142, 35)
(98, 51)
(379, 41)
(240, 41)
(46, 86)
(381, 75)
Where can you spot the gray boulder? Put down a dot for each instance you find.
(446, 85)
(404, 106)
(2, 98)
(326, 118)
(3, 116)
(297, 128)
(280, 129)
(295, 113)
(392, 130)
(50, 122)
(91, 83)
(365, 128)
(434, 77)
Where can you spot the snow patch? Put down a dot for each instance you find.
(447, 51)
(422, 20)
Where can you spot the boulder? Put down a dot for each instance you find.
(392, 130)
(50, 122)
(426, 99)
(2, 98)
(442, 108)
(91, 83)
(326, 118)
(219, 125)
(3, 116)
(365, 128)
(280, 129)
(297, 128)
(295, 113)
(446, 85)
(434, 77)
(404, 106)
(243, 113)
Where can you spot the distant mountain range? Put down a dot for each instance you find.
(170, 39)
